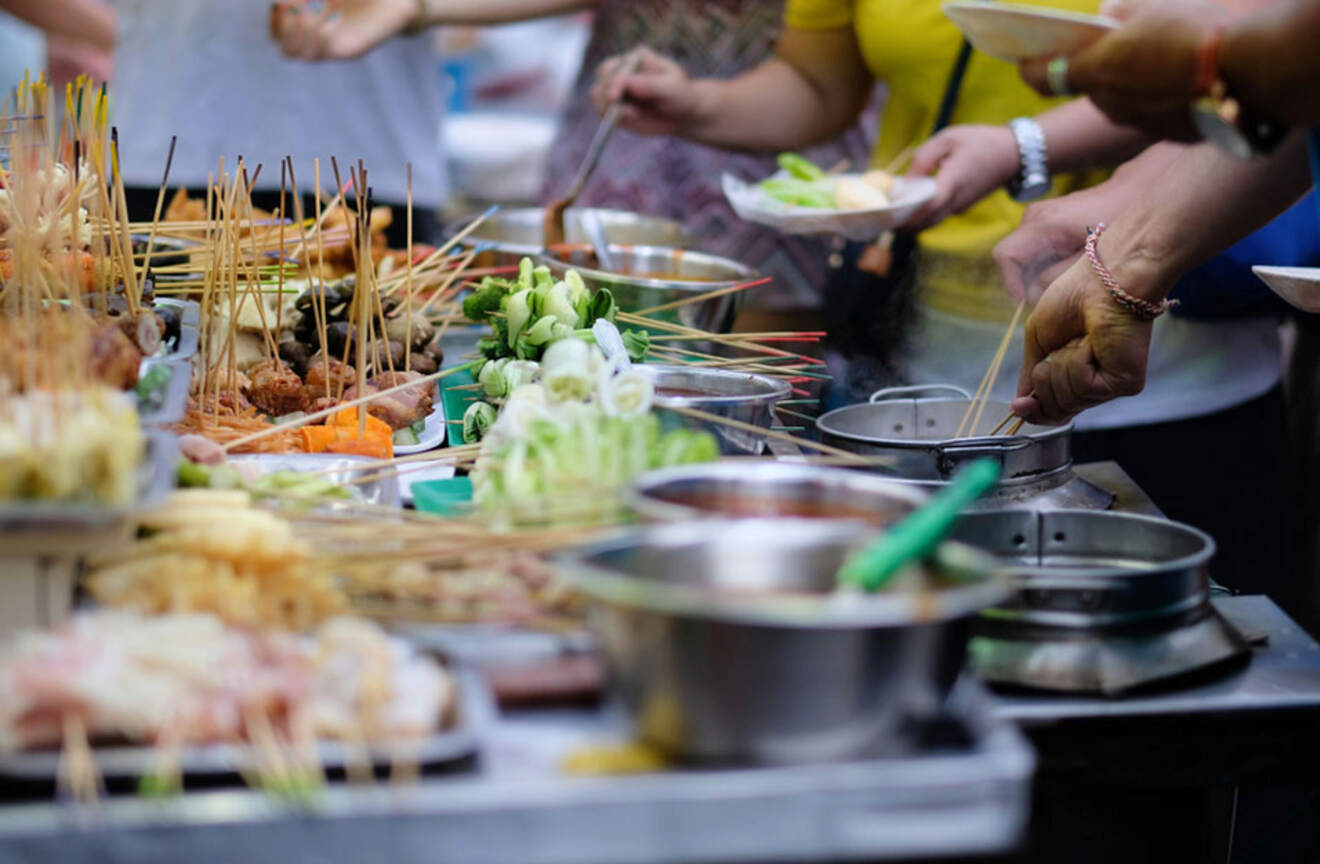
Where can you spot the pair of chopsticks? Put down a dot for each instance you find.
(971, 418)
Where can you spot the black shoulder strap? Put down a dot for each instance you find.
(951, 89)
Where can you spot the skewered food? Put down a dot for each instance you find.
(402, 409)
(193, 680)
(276, 389)
(69, 446)
(211, 551)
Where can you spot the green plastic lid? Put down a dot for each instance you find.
(443, 497)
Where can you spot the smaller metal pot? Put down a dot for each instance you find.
(770, 489)
(656, 276)
(917, 432)
(520, 231)
(738, 396)
(1103, 601)
(728, 641)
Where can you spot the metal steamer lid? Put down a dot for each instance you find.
(920, 431)
(1104, 601)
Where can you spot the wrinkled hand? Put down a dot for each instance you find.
(1047, 242)
(343, 30)
(661, 98)
(1082, 349)
(1143, 74)
(968, 163)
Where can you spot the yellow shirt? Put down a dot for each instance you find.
(910, 45)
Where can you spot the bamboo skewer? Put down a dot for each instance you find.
(760, 430)
(708, 295)
(977, 405)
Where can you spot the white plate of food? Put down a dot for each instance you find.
(802, 199)
(1013, 32)
(429, 436)
(1300, 286)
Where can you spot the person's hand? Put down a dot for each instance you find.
(660, 97)
(1146, 73)
(968, 163)
(1082, 349)
(342, 30)
(1049, 239)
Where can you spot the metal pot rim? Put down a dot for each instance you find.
(548, 258)
(823, 425)
(637, 499)
(829, 611)
(775, 388)
(1024, 573)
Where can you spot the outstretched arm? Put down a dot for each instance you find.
(345, 29)
(1082, 348)
(90, 21)
(811, 90)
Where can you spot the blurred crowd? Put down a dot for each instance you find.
(1083, 187)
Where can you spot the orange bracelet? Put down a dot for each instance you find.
(1207, 61)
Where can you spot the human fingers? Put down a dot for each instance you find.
(929, 155)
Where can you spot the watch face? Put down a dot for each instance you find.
(1220, 132)
(1032, 189)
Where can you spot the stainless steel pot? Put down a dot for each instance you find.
(520, 231)
(770, 489)
(917, 432)
(1103, 601)
(738, 396)
(728, 642)
(684, 273)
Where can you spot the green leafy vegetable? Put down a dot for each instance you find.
(801, 167)
(476, 420)
(637, 343)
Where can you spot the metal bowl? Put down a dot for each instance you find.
(521, 231)
(736, 395)
(770, 489)
(918, 433)
(1103, 601)
(652, 276)
(727, 641)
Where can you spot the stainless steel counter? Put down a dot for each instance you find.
(521, 808)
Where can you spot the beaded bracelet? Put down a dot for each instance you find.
(1146, 310)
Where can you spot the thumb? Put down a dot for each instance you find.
(647, 88)
(1120, 9)
(928, 157)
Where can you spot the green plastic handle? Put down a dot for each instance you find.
(916, 537)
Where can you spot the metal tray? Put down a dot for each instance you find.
(175, 402)
(338, 469)
(473, 711)
(964, 800)
(190, 319)
(156, 477)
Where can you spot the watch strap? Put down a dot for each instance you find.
(1033, 176)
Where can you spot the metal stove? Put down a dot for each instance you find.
(1106, 602)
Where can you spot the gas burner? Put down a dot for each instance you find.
(1106, 602)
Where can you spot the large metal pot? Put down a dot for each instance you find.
(521, 231)
(728, 642)
(1103, 601)
(918, 433)
(770, 489)
(738, 396)
(650, 276)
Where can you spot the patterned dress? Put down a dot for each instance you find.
(679, 179)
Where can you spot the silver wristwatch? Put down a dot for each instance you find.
(1033, 180)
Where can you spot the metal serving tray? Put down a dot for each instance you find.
(155, 478)
(175, 402)
(474, 710)
(343, 470)
(967, 799)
